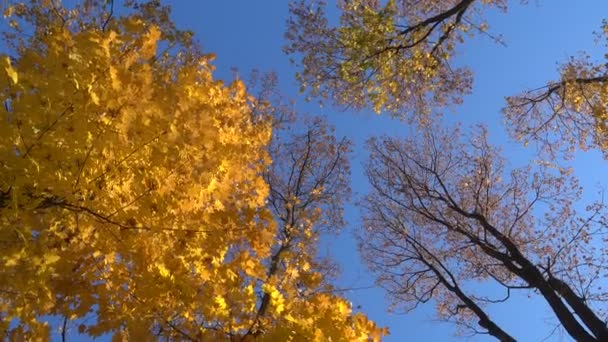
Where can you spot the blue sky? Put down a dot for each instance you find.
(249, 34)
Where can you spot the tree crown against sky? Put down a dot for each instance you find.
(142, 197)
(443, 211)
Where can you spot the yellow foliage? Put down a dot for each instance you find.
(131, 189)
(10, 72)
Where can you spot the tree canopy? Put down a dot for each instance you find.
(143, 198)
(569, 113)
(138, 196)
(444, 210)
(393, 56)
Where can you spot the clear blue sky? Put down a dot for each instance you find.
(249, 34)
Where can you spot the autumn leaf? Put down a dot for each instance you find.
(12, 73)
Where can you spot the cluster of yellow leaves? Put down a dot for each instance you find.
(596, 108)
(324, 318)
(585, 89)
(131, 195)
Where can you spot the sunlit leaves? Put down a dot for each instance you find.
(566, 114)
(113, 197)
(391, 57)
(10, 72)
(134, 187)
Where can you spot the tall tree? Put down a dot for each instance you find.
(444, 212)
(393, 56)
(133, 190)
(308, 185)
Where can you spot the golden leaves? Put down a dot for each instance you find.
(104, 195)
(164, 272)
(573, 107)
(221, 306)
(150, 39)
(277, 301)
(376, 58)
(135, 196)
(10, 72)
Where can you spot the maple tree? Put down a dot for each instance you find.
(445, 211)
(393, 56)
(137, 194)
